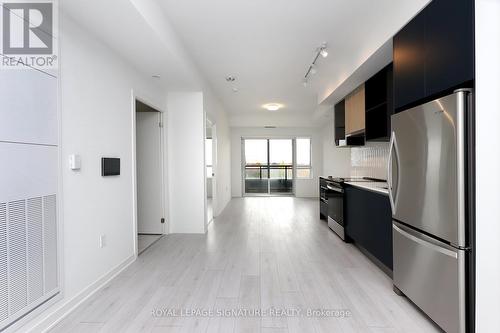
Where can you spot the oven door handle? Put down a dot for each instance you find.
(335, 189)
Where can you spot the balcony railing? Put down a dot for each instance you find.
(273, 178)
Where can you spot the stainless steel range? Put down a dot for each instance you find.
(335, 197)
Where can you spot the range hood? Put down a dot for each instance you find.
(353, 140)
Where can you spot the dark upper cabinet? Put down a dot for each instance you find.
(379, 105)
(339, 115)
(409, 64)
(449, 44)
(434, 53)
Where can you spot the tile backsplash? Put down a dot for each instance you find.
(370, 160)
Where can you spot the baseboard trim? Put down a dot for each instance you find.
(63, 310)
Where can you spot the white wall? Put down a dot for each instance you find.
(216, 114)
(336, 161)
(487, 18)
(155, 18)
(96, 121)
(186, 163)
(303, 187)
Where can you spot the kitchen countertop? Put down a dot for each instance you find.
(377, 187)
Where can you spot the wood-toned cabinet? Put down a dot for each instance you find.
(355, 111)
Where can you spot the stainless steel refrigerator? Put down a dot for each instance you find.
(427, 175)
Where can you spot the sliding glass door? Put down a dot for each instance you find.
(256, 166)
(268, 166)
(281, 166)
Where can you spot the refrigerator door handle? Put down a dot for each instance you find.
(426, 241)
(389, 172)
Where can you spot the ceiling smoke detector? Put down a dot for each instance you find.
(230, 78)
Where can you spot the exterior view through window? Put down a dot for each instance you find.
(304, 158)
(269, 164)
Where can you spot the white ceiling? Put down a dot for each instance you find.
(268, 45)
(125, 27)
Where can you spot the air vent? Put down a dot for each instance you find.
(18, 282)
(35, 249)
(50, 242)
(28, 256)
(4, 290)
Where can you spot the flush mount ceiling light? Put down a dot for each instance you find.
(272, 106)
(311, 70)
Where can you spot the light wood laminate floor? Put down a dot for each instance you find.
(259, 253)
(145, 240)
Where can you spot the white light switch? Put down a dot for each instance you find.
(75, 162)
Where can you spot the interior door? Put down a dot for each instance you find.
(149, 174)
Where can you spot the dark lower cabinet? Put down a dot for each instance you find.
(434, 53)
(369, 222)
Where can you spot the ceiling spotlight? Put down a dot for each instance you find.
(230, 78)
(313, 70)
(272, 106)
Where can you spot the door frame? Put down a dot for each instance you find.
(165, 226)
(213, 126)
(243, 162)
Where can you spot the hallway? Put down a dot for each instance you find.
(260, 253)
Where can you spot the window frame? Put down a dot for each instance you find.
(304, 167)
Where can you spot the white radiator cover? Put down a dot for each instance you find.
(28, 193)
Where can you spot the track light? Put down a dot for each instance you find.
(321, 50)
(313, 70)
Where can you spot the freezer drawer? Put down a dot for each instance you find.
(432, 275)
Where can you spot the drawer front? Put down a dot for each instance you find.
(432, 275)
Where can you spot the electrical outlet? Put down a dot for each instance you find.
(102, 241)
